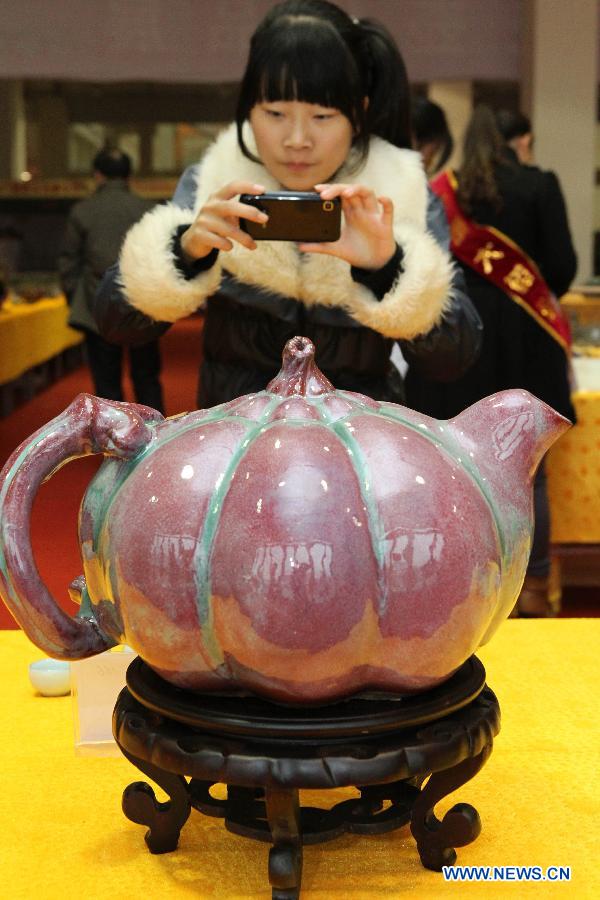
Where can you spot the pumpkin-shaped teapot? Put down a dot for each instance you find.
(301, 543)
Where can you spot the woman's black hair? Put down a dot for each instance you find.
(483, 150)
(512, 124)
(312, 51)
(430, 126)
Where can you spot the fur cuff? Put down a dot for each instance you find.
(416, 302)
(151, 282)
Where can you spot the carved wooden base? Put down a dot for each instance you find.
(403, 755)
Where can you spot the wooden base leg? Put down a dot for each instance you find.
(460, 826)
(165, 820)
(285, 856)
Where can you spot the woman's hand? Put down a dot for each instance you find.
(217, 225)
(367, 239)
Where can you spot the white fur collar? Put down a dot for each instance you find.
(277, 266)
(413, 305)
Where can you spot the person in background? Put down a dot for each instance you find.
(515, 128)
(432, 137)
(323, 106)
(511, 237)
(11, 249)
(94, 232)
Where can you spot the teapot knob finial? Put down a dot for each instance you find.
(299, 373)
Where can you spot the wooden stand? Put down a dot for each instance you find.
(265, 753)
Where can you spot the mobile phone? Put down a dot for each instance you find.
(300, 216)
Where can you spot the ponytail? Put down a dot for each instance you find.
(387, 87)
(483, 149)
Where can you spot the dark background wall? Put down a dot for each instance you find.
(204, 40)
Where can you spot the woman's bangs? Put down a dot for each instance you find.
(320, 72)
(309, 62)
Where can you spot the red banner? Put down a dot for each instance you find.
(499, 260)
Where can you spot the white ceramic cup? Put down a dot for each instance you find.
(51, 677)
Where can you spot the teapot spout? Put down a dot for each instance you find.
(510, 432)
(501, 440)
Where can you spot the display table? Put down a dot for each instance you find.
(31, 334)
(573, 463)
(63, 830)
(573, 466)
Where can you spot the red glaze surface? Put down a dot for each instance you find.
(301, 543)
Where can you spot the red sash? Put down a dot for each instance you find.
(498, 259)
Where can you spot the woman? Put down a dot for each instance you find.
(515, 128)
(505, 218)
(432, 137)
(323, 105)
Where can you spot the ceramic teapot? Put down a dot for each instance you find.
(302, 544)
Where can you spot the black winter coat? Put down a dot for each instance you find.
(516, 352)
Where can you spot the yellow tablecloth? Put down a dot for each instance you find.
(63, 833)
(573, 466)
(31, 333)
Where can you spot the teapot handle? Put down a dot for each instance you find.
(89, 425)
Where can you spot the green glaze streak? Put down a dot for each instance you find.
(101, 503)
(361, 469)
(211, 522)
(455, 451)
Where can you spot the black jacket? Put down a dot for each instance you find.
(516, 352)
(93, 236)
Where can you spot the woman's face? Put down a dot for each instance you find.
(300, 144)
